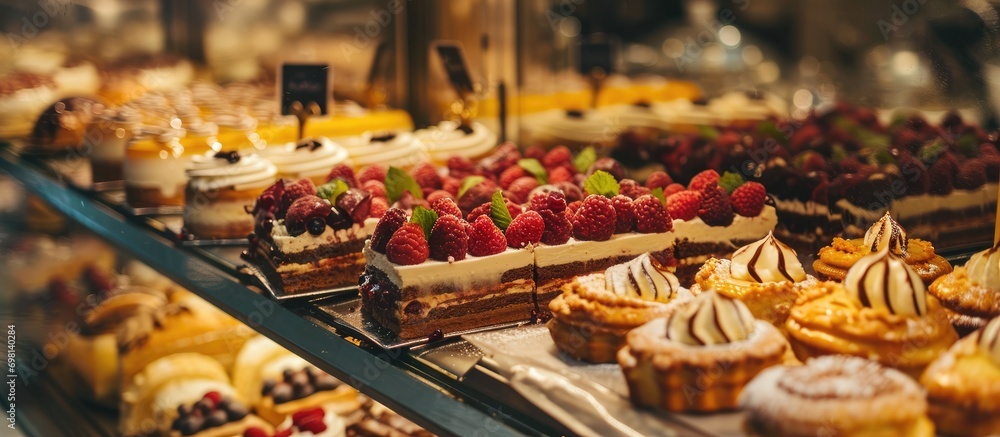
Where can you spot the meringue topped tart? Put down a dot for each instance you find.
(971, 294)
(221, 186)
(309, 158)
(664, 358)
(451, 138)
(395, 149)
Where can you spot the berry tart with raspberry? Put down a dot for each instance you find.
(307, 422)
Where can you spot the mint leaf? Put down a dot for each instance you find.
(397, 181)
(425, 218)
(498, 211)
(331, 190)
(658, 193)
(531, 165)
(469, 182)
(708, 132)
(601, 183)
(768, 128)
(584, 160)
(729, 181)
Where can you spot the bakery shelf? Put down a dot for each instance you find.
(430, 399)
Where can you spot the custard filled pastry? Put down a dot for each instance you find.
(971, 294)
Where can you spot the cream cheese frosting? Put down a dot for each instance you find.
(447, 139)
(884, 280)
(312, 157)
(710, 318)
(989, 340)
(214, 171)
(886, 233)
(643, 279)
(766, 260)
(984, 267)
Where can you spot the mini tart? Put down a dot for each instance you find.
(341, 400)
(589, 323)
(969, 305)
(963, 389)
(827, 321)
(834, 260)
(835, 396)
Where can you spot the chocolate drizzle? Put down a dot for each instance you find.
(779, 247)
(232, 156)
(312, 144)
(886, 262)
(383, 137)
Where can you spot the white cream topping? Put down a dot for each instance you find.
(883, 280)
(628, 116)
(207, 172)
(403, 149)
(592, 127)
(297, 162)
(446, 140)
(336, 426)
(766, 260)
(710, 318)
(886, 233)
(111, 132)
(307, 241)
(738, 106)
(984, 268)
(919, 205)
(643, 279)
(165, 173)
(488, 269)
(989, 339)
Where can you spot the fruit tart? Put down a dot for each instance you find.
(592, 316)
(834, 260)
(881, 312)
(766, 275)
(971, 294)
(963, 385)
(666, 361)
(308, 422)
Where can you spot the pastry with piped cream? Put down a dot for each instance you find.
(766, 275)
(834, 260)
(591, 317)
(665, 361)
(963, 385)
(220, 187)
(971, 293)
(881, 312)
(309, 158)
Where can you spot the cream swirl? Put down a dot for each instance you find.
(710, 318)
(983, 268)
(215, 171)
(767, 260)
(886, 233)
(449, 138)
(306, 158)
(989, 340)
(883, 280)
(642, 278)
(398, 149)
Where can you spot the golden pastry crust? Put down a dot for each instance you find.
(963, 388)
(677, 377)
(826, 321)
(231, 428)
(769, 301)
(589, 323)
(341, 400)
(834, 260)
(970, 304)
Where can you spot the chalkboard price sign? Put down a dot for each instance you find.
(306, 84)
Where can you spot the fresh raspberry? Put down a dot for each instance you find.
(552, 200)
(571, 190)
(631, 189)
(255, 431)
(534, 152)
(344, 172)
(213, 396)
(624, 214)
(671, 189)
(379, 207)
(485, 238)
(558, 228)
(971, 174)
(521, 187)
(557, 156)
(658, 179)
(304, 209)
(426, 176)
(650, 215)
(504, 156)
(476, 195)
(449, 242)
(684, 205)
(302, 415)
(513, 208)
(703, 179)
(595, 220)
(294, 191)
(988, 149)
(560, 174)
(942, 174)
(573, 207)
(748, 199)
(451, 185)
(526, 229)
(372, 173)
(436, 195)
(391, 221)
(460, 166)
(270, 199)
(287, 432)
(408, 246)
(446, 206)
(375, 188)
(715, 208)
(480, 210)
(510, 175)
(313, 425)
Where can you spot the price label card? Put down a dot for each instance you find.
(597, 55)
(453, 60)
(305, 83)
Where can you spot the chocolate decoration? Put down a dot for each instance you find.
(383, 138)
(694, 334)
(232, 156)
(312, 144)
(465, 129)
(715, 319)
(574, 113)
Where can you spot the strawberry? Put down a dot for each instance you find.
(426, 176)
(671, 189)
(522, 186)
(305, 209)
(595, 220)
(510, 175)
(379, 207)
(715, 208)
(658, 179)
(485, 237)
(552, 200)
(650, 215)
(407, 246)
(558, 228)
(446, 206)
(438, 195)
(344, 172)
(557, 156)
(375, 188)
(703, 179)
(684, 204)
(748, 199)
(293, 191)
(624, 213)
(525, 229)
(560, 174)
(391, 221)
(449, 242)
(632, 189)
(372, 173)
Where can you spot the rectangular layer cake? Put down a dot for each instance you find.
(309, 262)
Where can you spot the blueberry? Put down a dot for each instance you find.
(217, 418)
(282, 393)
(236, 411)
(316, 225)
